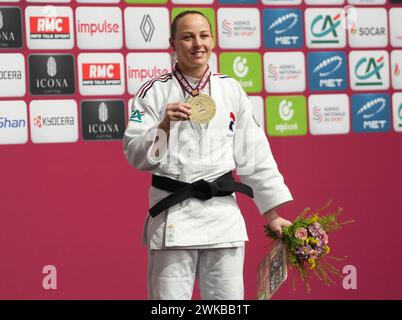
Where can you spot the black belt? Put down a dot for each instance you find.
(200, 189)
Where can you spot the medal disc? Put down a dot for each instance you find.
(203, 108)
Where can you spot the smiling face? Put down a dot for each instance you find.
(193, 44)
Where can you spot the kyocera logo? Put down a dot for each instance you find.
(95, 28)
(369, 68)
(41, 122)
(324, 26)
(371, 108)
(49, 27)
(101, 74)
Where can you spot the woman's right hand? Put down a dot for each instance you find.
(178, 111)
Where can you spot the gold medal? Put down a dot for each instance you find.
(203, 108)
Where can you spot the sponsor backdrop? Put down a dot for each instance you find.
(325, 80)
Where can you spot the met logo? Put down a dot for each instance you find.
(327, 71)
(283, 28)
(371, 112)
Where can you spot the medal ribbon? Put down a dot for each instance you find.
(186, 86)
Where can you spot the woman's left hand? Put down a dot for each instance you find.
(277, 224)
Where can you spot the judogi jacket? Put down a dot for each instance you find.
(231, 140)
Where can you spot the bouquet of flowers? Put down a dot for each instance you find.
(306, 243)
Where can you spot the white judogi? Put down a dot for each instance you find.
(190, 157)
(231, 140)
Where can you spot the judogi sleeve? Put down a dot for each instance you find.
(139, 136)
(255, 163)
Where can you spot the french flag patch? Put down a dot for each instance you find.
(232, 121)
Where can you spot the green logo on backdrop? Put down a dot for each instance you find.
(245, 67)
(286, 115)
(208, 12)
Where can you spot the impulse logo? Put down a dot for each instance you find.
(49, 27)
(101, 74)
(146, 73)
(325, 26)
(98, 28)
(327, 71)
(371, 112)
(283, 28)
